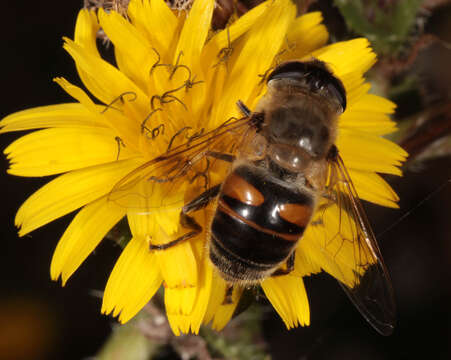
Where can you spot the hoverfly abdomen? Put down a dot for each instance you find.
(257, 224)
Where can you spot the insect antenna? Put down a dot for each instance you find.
(194, 136)
(171, 141)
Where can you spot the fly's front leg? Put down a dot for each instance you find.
(188, 222)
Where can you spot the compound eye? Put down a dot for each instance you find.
(336, 89)
(313, 75)
(289, 70)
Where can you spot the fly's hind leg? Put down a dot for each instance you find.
(188, 222)
(288, 268)
(228, 295)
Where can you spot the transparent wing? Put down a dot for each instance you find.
(183, 172)
(353, 256)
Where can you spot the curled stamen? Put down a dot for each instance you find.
(291, 46)
(265, 75)
(189, 83)
(203, 174)
(180, 66)
(119, 144)
(156, 131)
(277, 58)
(175, 135)
(167, 98)
(225, 53)
(176, 66)
(120, 98)
(194, 136)
(157, 63)
(143, 124)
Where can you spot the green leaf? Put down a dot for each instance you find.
(387, 24)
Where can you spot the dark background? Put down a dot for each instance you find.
(38, 318)
(41, 320)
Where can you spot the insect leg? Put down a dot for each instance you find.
(202, 200)
(243, 108)
(289, 266)
(228, 295)
(256, 118)
(189, 222)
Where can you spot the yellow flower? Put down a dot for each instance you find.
(172, 72)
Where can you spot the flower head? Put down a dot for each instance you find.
(173, 73)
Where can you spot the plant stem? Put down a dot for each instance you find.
(127, 342)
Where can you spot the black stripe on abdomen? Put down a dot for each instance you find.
(246, 242)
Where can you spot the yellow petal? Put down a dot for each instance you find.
(352, 56)
(133, 281)
(81, 96)
(373, 188)
(356, 92)
(221, 39)
(53, 151)
(305, 263)
(305, 35)
(263, 41)
(62, 115)
(194, 33)
(375, 104)
(134, 55)
(69, 192)
(106, 77)
(288, 296)
(379, 155)
(179, 302)
(86, 29)
(126, 129)
(150, 18)
(218, 312)
(369, 113)
(84, 233)
(185, 322)
(218, 62)
(178, 264)
(375, 123)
